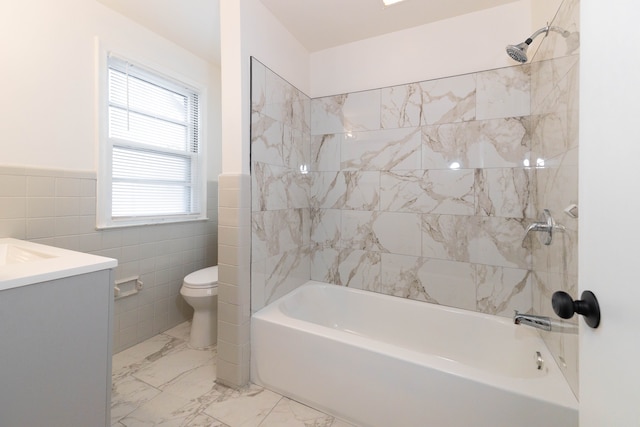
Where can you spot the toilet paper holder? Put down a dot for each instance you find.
(126, 287)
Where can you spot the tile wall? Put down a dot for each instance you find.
(419, 191)
(554, 116)
(281, 181)
(234, 280)
(58, 208)
(422, 191)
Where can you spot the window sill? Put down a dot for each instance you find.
(148, 222)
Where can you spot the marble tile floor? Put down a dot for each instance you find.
(164, 382)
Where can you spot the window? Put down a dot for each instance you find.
(151, 166)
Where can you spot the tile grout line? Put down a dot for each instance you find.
(270, 411)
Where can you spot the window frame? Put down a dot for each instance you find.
(104, 200)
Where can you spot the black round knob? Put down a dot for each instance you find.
(564, 306)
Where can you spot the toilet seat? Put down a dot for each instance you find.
(205, 278)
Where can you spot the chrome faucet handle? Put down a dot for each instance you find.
(545, 224)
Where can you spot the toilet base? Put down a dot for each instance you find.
(204, 330)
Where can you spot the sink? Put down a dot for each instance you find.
(24, 263)
(11, 253)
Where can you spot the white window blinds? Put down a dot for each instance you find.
(153, 144)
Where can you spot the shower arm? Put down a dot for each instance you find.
(546, 30)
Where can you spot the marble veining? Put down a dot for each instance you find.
(268, 140)
(346, 113)
(278, 187)
(499, 242)
(502, 290)
(555, 122)
(279, 231)
(325, 152)
(400, 276)
(448, 236)
(504, 92)
(281, 165)
(428, 191)
(449, 100)
(401, 106)
(286, 271)
(504, 192)
(398, 180)
(272, 143)
(396, 149)
(328, 190)
(431, 280)
(325, 227)
(258, 86)
(325, 263)
(359, 269)
(478, 144)
(545, 76)
(393, 232)
(361, 190)
(346, 190)
(184, 391)
(286, 104)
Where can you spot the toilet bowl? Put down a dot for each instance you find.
(200, 290)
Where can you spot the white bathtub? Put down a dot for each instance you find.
(380, 361)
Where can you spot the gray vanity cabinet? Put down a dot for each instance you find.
(55, 352)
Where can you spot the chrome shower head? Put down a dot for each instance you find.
(519, 52)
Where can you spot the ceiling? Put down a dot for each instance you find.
(321, 24)
(317, 24)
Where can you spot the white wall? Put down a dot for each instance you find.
(214, 125)
(248, 29)
(543, 12)
(47, 74)
(609, 206)
(47, 124)
(460, 45)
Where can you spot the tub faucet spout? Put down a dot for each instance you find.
(544, 323)
(540, 322)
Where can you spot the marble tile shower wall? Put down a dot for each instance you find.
(58, 208)
(554, 116)
(422, 190)
(281, 182)
(419, 191)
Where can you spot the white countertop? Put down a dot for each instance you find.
(24, 263)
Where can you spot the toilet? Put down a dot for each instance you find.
(200, 290)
